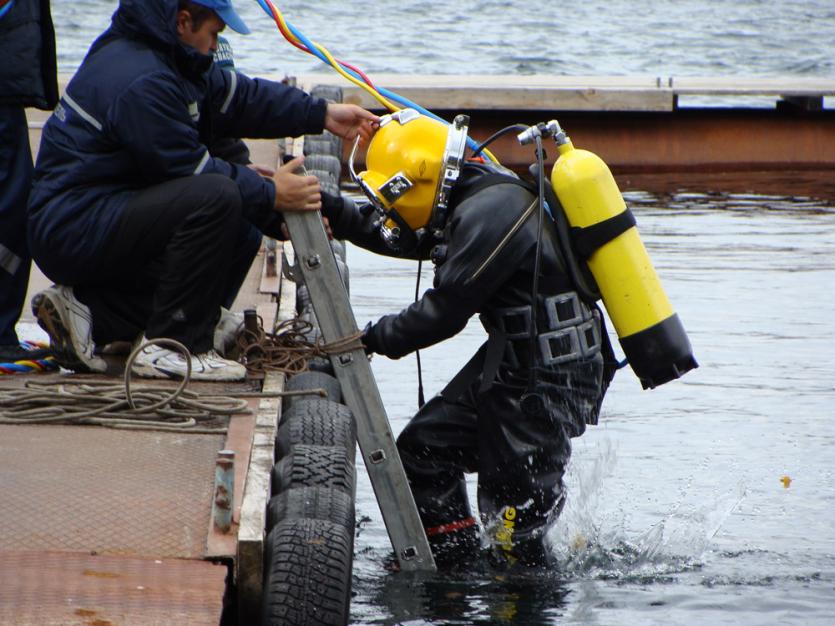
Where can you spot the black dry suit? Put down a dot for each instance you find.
(485, 265)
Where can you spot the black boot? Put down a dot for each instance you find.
(453, 533)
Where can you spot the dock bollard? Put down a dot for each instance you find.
(224, 490)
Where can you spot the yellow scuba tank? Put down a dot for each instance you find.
(650, 333)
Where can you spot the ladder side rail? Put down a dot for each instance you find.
(336, 319)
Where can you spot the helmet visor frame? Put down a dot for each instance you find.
(389, 223)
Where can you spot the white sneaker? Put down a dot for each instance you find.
(157, 361)
(70, 328)
(228, 328)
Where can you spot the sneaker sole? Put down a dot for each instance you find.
(49, 319)
(149, 371)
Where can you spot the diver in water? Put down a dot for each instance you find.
(477, 223)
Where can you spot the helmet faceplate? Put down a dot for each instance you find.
(412, 163)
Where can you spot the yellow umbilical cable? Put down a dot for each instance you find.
(288, 34)
(367, 86)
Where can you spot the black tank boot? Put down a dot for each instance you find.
(441, 497)
(453, 532)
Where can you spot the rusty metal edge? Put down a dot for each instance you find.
(238, 438)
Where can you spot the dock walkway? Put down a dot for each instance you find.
(105, 526)
(638, 125)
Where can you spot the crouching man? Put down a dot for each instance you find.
(142, 229)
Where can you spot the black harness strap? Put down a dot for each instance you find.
(589, 239)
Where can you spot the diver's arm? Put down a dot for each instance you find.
(358, 224)
(438, 315)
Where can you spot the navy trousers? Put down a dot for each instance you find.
(180, 251)
(15, 182)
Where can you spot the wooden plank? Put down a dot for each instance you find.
(238, 438)
(515, 92)
(249, 564)
(752, 86)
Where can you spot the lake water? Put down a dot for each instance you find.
(574, 37)
(679, 510)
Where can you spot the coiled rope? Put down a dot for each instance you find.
(113, 405)
(287, 348)
(120, 406)
(156, 407)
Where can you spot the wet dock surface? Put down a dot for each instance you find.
(116, 525)
(83, 589)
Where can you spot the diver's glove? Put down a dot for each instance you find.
(332, 206)
(368, 340)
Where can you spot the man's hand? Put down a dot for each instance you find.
(263, 170)
(350, 120)
(296, 192)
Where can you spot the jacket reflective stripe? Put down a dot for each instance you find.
(232, 87)
(9, 261)
(201, 166)
(77, 108)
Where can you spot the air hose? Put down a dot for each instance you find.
(388, 99)
(5, 8)
(531, 401)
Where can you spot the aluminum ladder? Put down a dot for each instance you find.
(315, 259)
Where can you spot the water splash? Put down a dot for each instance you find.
(590, 542)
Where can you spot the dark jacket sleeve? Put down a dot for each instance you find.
(470, 275)
(258, 108)
(28, 73)
(151, 120)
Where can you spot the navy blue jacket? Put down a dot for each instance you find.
(28, 75)
(140, 111)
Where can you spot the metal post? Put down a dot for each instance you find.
(224, 490)
(336, 320)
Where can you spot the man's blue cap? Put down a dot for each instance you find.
(227, 13)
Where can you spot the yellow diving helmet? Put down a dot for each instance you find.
(412, 164)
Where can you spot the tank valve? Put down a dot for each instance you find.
(544, 130)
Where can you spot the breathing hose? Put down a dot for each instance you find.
(6, 8)
(385, 97)
(499, 133)
(532, 402)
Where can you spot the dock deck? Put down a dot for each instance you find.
(105, 526)
(576, 93)
(639, 125)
